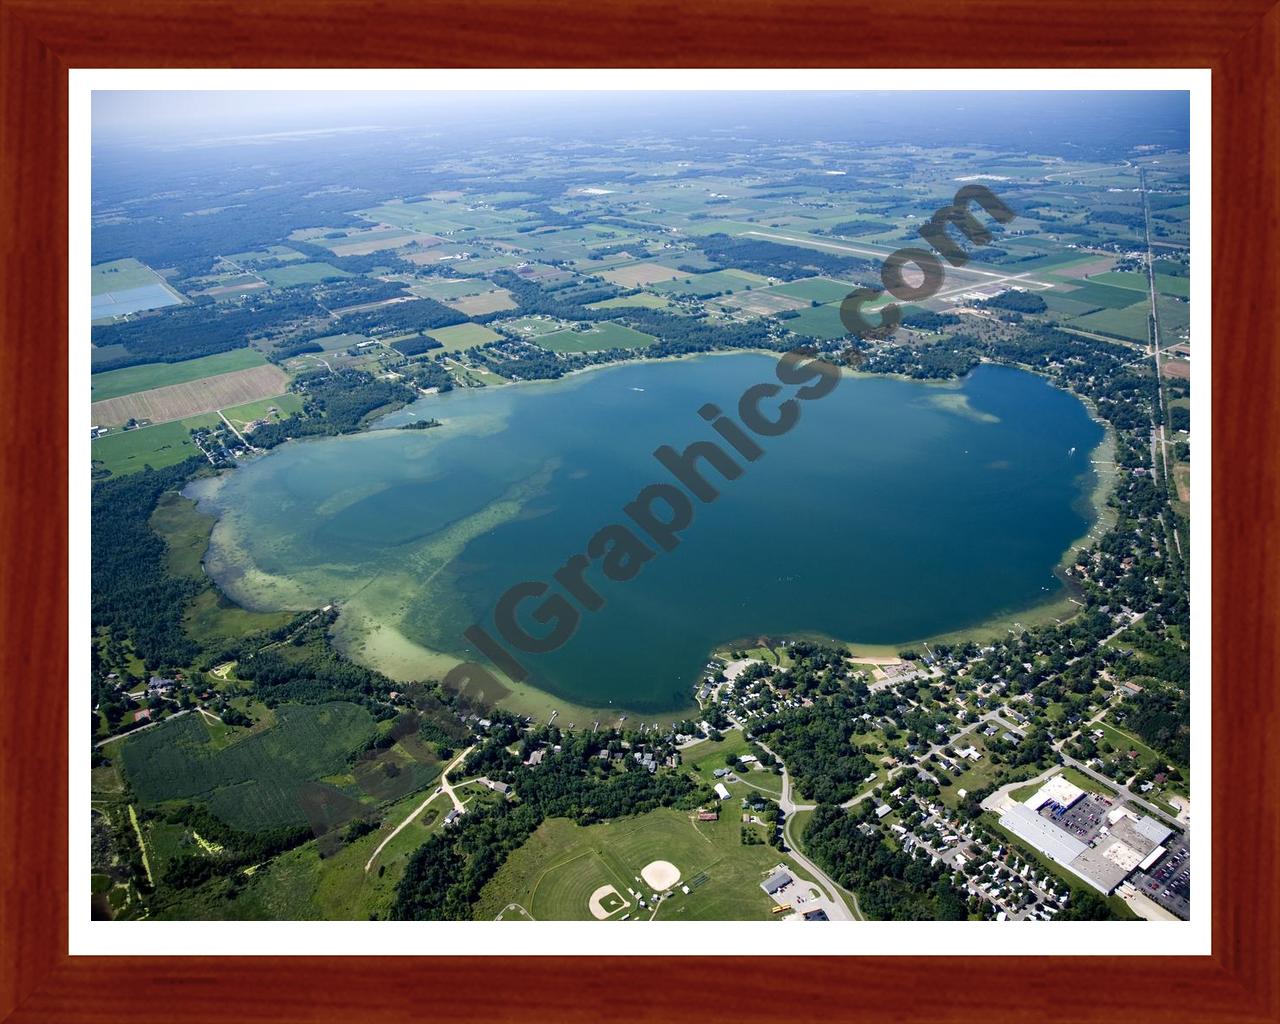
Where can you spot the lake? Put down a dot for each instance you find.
(893, 511)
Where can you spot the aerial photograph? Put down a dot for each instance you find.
(639, 506)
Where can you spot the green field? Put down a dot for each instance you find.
(1165, 285)
(266, 779)
(128, 451)
(121, 275)
(713, 283)
(131, 379)
(301, 273)
(302, 885)
(643, 299)
(553, 875)
(817, 322)
(242, 415)
(445, 289)
(823, 289)
(1106, 295)
(462, 336)
(1130, 322)
(603, 335)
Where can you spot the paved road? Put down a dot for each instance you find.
(837, 909)
(1123, 791)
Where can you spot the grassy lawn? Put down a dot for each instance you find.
(1123, 741)
(284, 405)
(554, 874)
(131, 379)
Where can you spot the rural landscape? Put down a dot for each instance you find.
(752, 507)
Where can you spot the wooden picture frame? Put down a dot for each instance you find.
(42, 39)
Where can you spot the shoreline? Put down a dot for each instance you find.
(522, 698)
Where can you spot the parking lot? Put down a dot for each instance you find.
(1169, 880)
(1082, 820)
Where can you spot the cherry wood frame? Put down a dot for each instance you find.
(41, 39)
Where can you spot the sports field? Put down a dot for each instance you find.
(114, 383)
(179, 401)
(556, 873)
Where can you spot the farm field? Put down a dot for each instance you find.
(126, 381)
(555, 873)
(158, 446)
(642, 299)
(639, 274)
(818, 322)
(302, 885)
(715, 282)
(1165, 284)
(1130, 322)
(821, 289)
(264, 780)
(463, 336)
(1101, 295)
(122, 275)
(487, 302)
(179, 401)
(603, 335)
(301, 273)
(128, 286)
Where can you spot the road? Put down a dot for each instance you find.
(445, 787)
(837, 909)
(1122, 790)
(141, 728)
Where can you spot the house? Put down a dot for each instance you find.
(451, 817)
(535, 759)
(499, 787)
(720, 773)
(883, 811)
(159, 684)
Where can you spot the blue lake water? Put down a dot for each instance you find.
(893, 511)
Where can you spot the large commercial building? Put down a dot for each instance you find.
(1124, 844)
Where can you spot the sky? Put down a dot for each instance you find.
(1034, 119)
